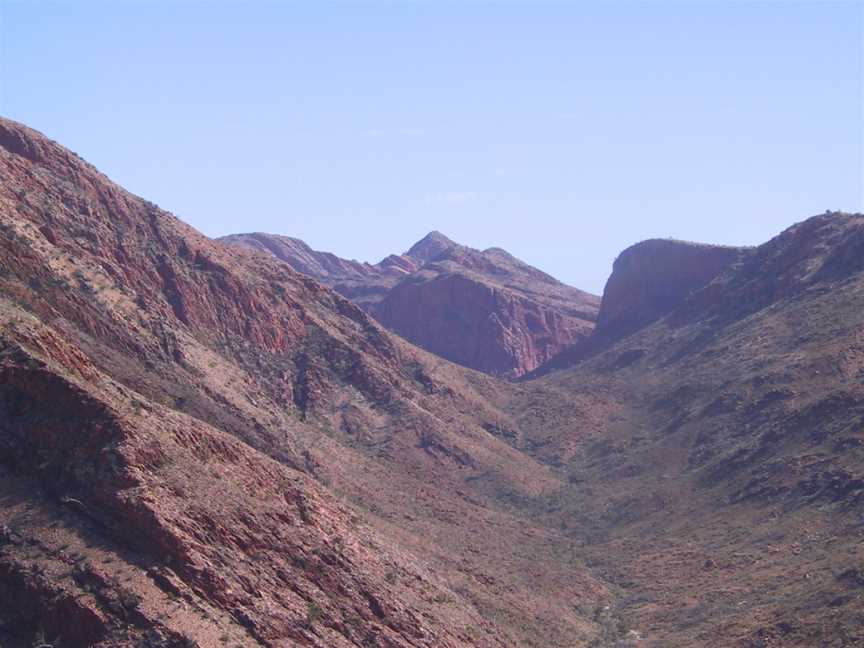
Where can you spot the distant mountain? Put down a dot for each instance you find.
(429, 247)
(363, 283)
(482, 309)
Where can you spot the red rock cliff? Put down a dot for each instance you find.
(651, 278)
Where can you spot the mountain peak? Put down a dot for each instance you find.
(430, 246)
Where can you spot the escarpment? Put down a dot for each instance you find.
(653, 277)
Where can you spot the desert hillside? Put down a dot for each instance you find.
(203, 444)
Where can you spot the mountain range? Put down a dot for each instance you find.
(486, 310)
(203, 444)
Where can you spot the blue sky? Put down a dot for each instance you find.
(562, 132)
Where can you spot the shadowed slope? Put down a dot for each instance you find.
(716, 455)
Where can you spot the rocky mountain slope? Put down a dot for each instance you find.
(198, 442)
(363, 283)
(481, 309)
(201, 446)
(716, 454)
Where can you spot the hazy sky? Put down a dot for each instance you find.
(562, 132)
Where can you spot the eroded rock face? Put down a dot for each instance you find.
(216, 529)
(649, 281)
(479, 324)
(651, 278)
(482, 309)
(691, 281)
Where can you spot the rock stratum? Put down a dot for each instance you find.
(486, 310)
(201, 446)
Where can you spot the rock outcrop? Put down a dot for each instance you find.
(651, 278)
(488, 311)
(648, 281)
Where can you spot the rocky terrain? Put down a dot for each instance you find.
(200, 445)
(363, 283)
(199, 442)
(485, 309)
(651, 278)
(717, 454)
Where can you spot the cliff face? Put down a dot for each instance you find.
(488, 311)
(651, 278)
(659, 278)
(482, 309)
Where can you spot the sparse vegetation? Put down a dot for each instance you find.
(313, 612)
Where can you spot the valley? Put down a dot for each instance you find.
(237, 442)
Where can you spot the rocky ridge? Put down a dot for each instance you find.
(481, 309)
(648, 281)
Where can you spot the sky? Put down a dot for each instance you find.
(562, 132)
